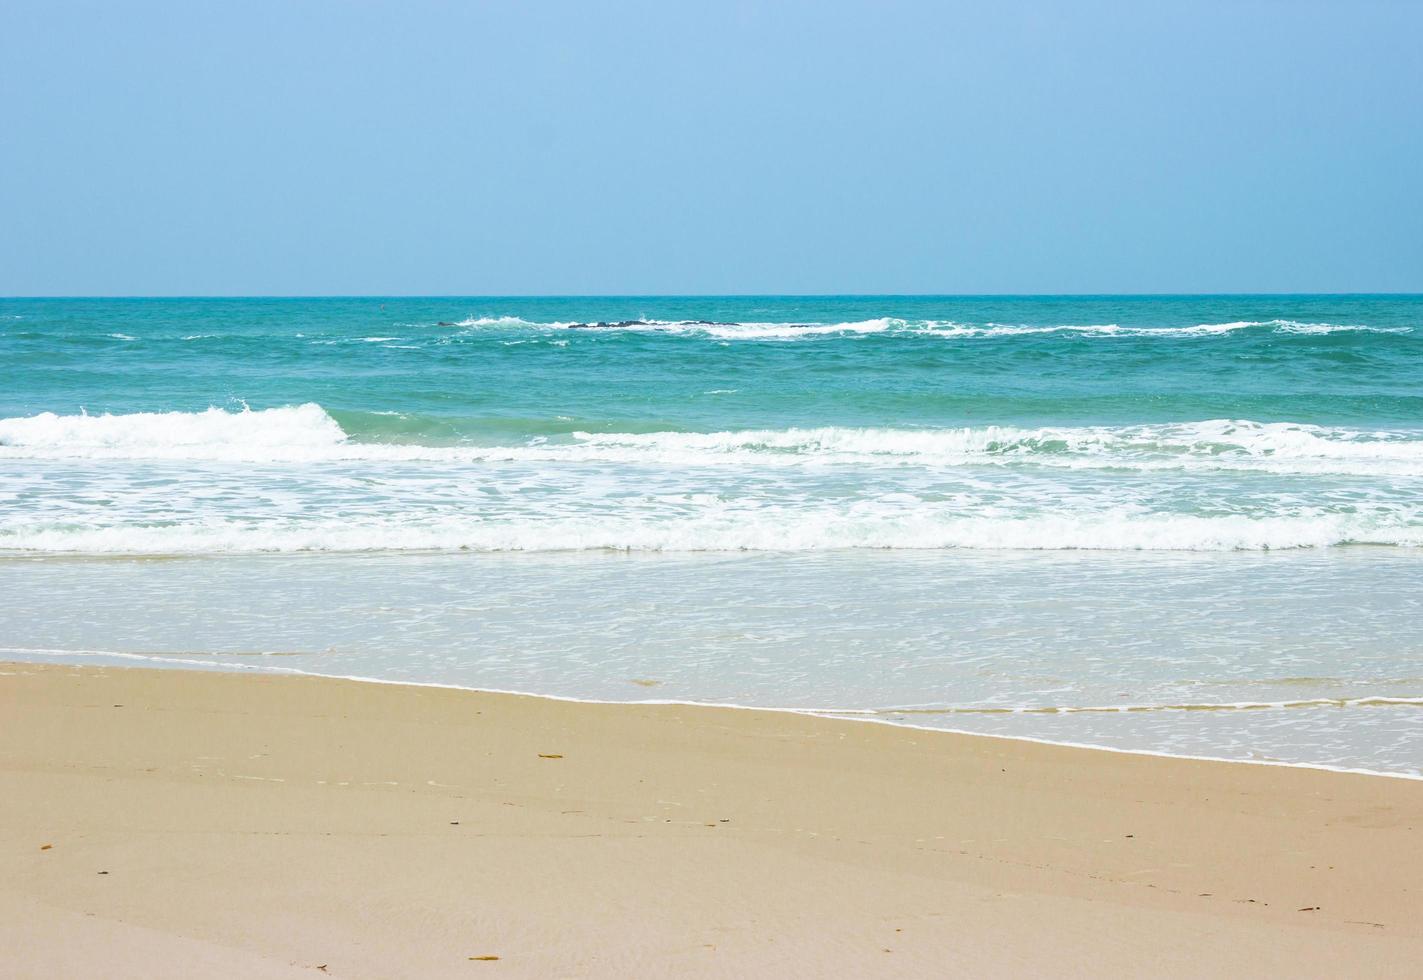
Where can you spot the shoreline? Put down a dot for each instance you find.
(839, 714)
(264, 824)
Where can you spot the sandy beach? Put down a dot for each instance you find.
(165, 823)
(620, 491)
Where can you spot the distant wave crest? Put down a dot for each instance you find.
(948, 329)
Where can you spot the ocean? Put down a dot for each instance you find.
(1173, 524)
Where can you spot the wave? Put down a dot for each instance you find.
(713, 328)
(307, 433)
(275, 433)
(940, 328)
(1219, 443)
(416, 497)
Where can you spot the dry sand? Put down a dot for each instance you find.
(177, 824)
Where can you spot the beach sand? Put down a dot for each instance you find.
(158, 823)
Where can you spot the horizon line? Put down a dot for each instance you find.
(526, 296)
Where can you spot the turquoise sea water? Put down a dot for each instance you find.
(990, 513)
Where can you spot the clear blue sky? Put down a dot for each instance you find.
(545, 147)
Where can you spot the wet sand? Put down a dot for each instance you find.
(176, 824)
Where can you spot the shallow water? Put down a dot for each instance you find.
(1301, 657)
(1001, 514)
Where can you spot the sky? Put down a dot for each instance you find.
(314, 148)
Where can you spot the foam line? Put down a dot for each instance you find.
(827, 714)
(946, 329)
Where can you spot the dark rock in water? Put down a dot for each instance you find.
(444, 323)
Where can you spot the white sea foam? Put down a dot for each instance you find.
(507, 321)
(713, 528)
(1115, 330)
(1290, 326)
(275, 433)
(306, 433)
(726, 331)
(991, 487)
(790, 331)
(948, 329)
(1215, 440)
(1361, 701)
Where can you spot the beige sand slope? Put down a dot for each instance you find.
(170, 824)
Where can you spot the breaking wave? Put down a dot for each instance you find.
(307, 433)
(188, 488)
(276, 433)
